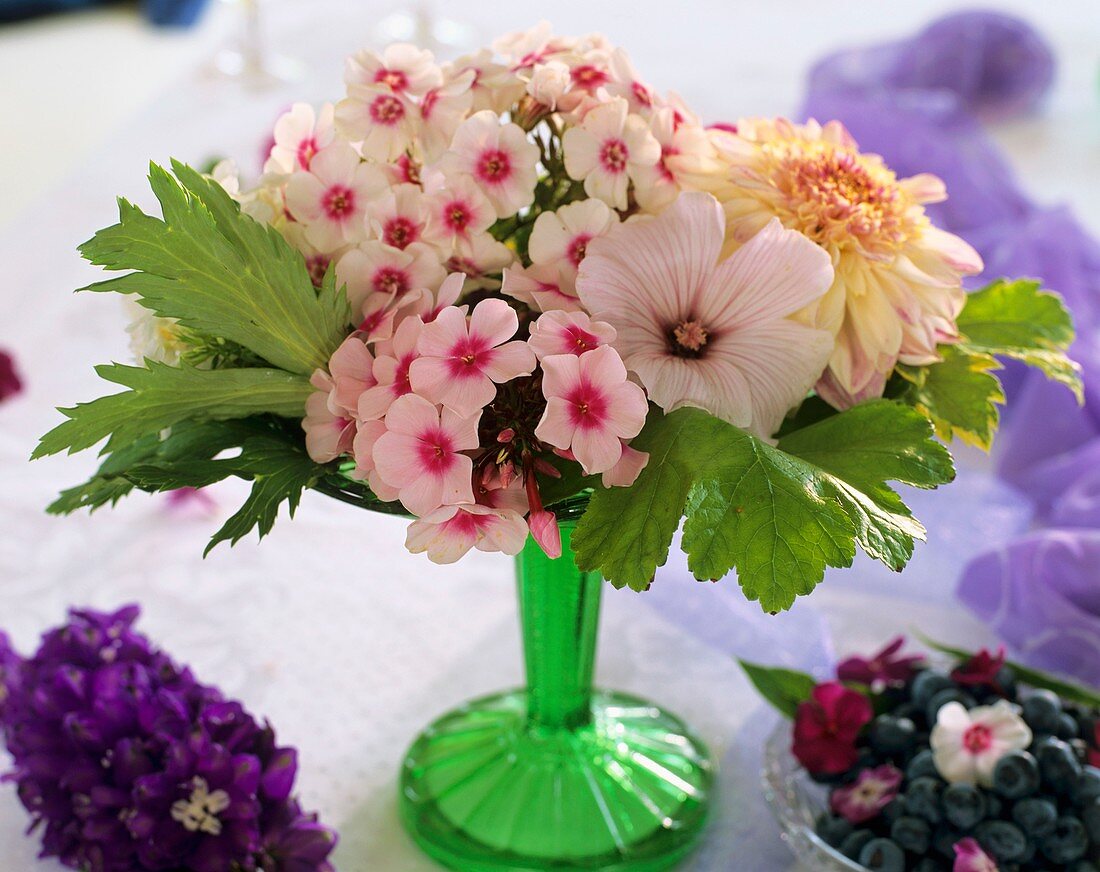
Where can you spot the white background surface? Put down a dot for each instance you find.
(347, 643)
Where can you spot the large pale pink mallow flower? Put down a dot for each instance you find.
(463, 360)
(420, 454)
(449, 532)
(710, 334)
(590, 407)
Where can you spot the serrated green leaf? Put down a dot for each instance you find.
(779, 515)
(859, 451)
(160, 396)
(270, 455)
(1017, 319)
(960, 395)
(220, 272)
(785, 689)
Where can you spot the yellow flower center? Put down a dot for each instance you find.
(839, 197)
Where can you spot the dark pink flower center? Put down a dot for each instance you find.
(390, 280)
(614, 155)
(494, 166)
(467, 524)
(386, 110)
(396, 79)
(400, 232)
(588, 77)
(307, 148)
(578, 247)
(667, 152)
(587, 406)
(458, 263)
(456, 215)
(410, 172)
(641, 93)
(338, 202)
(401, 384)
(436, 450)
(978, 738)
(579, 340)
(468, 356)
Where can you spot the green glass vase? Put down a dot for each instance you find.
(556, 776)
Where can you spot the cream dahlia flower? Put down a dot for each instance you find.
(897, 289)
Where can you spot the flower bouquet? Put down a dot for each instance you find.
(977, 767)
(544, 311)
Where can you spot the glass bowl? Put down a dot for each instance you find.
(797, 802)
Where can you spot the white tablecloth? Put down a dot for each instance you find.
(348, 644)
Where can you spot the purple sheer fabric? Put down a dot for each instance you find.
(918, 103)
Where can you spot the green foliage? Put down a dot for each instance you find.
(779, 515)
(960, 395)
(268, 454)
(1033, 677)
(220, 273)
(161, 396)
(785, 689)
(1013, 319)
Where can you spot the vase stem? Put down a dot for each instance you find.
(559, 615)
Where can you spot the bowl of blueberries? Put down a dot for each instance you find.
(961, 766)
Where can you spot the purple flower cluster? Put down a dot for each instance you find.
(125, 762)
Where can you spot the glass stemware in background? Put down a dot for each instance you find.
(248, 58)
(418, 23)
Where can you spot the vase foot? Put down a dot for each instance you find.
(483, 792)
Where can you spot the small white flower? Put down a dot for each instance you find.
(549, 82)
(609, 150)
(966, 745)
(152, 337)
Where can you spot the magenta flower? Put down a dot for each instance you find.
(826, 727)
(462, 361)
(591, 407)
(10, 383)
(498, 157)
(420, 454)
(392, 361)
(870, 794)
(883, 669)
(710, 334)
(969, 857)
(981, 669)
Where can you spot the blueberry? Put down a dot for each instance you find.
(964, 805)
(894, 809)
(1003, 840)
(1043, 711)
(922, 765)
(1067, 843)
(923, 799)
(832, 830)
(912, 834)
(1087, 786)
(1090, 815)
(909, 710)
(884, 855)
(1016, 775)
(944, 838)
(890, 735)
(1058, 765)
(1083, 866)
(927, 684)
(928, 864)
(1067, 727)
(993, 805)
(1035, 816)
(942, 698)
(852, 846)
(1006, 681)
